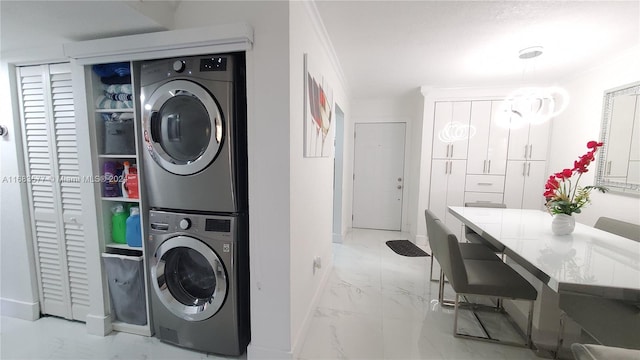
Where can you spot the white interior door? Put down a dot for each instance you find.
(51, 159)
(378, 175)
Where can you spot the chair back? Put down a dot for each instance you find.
(446, 249)
(430, 219)
(618, 227)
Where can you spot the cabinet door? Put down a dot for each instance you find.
(442, 118)
(459, 129)
(539, 141)
(514, 183)
(438, 192)
(534, 185)
(480, 120)
(497, 144)
(51, 160)
(455, 194)
(518, 143)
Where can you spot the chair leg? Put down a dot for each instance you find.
(529, 325)
(431, 270)
(455, 315)
(560, 341)
(441, 299)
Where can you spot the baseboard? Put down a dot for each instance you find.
(421, 240)
(306, 324)
(99, 324)
(258, 352)
(20, 309)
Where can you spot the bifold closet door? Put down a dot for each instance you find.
(53, 182)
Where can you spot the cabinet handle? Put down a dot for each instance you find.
(485, 184)
(447, 151)
(489, 169)
(484, 166)
(530, 151)
(524, 169)
(529, 169)
(526, 147)
(451, 150)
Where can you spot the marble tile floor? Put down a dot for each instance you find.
(376, 305)
(380, 305)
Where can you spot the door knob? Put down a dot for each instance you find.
(399, 186)
(399, 179)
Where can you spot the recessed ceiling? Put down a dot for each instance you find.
(29, 24)
(388, 48)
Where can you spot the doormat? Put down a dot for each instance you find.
(406, 248)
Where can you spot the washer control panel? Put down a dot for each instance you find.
(163, 222)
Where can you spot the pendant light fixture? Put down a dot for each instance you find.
(532, 105)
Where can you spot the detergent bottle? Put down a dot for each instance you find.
(130, 181)
(118, 224)
(110, 186)
(134, 234)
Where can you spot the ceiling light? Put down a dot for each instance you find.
(530, 52)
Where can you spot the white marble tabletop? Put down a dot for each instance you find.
(589, 260)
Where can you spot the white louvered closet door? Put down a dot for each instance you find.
(51, 162)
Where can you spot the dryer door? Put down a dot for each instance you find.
(189, 278)
(183, 127)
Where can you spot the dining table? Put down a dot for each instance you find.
(588, 261)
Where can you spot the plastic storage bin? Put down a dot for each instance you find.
(119, 138)
(125, 275)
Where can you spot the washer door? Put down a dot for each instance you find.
(183, 127)
(189, 278)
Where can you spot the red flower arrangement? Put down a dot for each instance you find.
(564, 197)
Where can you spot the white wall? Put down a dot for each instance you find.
(18, 290)
(580, 122)
(404, 109)
(311, 178)
(269, 178)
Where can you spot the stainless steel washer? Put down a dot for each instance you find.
(200, 288)
(194, 133)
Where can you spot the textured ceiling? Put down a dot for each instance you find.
(388, 48)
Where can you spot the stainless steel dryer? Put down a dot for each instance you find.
(194, 130)
(200, 288)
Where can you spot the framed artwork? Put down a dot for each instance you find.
(318, 113)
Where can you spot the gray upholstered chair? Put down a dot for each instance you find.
(474, 237)
(478, 277)
(610, 322)
(468, 251)
(622, 228)
(600, 352)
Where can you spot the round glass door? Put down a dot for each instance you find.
(183, 127)
(189, 278)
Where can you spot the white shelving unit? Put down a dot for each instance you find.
(104, 214)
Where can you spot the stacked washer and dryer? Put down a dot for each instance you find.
(195, 164)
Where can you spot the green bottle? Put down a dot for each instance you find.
(119, 224)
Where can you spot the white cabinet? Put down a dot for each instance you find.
(529, 142)
(524, 184)
(48, 120)
(451, 129)
(447, 189)
(488, 147)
